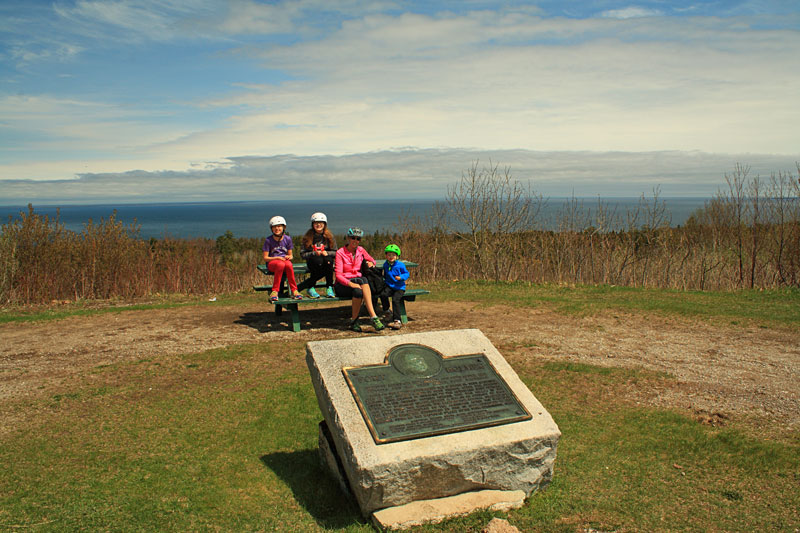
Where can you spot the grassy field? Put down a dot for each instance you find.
(226, 440)
(779, 307)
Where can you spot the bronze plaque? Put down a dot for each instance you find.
(418, 393)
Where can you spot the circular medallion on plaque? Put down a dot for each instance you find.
(415, 360)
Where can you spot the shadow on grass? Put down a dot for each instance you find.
(313, 488)
(258, 321)
(318, 316)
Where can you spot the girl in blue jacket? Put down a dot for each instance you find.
(395, 275)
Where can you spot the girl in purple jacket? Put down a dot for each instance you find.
(278, 257)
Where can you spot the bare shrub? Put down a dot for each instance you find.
(488, 228)
(42, 262)
(485, 210)
(748, 235)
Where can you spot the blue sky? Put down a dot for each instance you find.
(200, 100)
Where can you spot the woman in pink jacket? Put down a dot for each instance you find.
(349, 281)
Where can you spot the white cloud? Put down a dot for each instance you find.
(370, 80)
(46, 138)
(154, 20)
(24, 53)
(631, 12)
(552, 85)
(407, 173)
(245, 16)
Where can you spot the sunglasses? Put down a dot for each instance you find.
(355, 238)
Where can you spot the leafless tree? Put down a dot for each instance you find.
(488, 207)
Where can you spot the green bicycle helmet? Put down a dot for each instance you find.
(392, 248)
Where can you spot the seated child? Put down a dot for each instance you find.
(318, 249)
(278, 257)
(395, 275)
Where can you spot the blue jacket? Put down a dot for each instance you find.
(390, 270)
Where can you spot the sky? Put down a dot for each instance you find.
(198, 100)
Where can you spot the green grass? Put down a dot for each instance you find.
(226, 440)
(211, 440)
(769, 308)
(631, 468)
(89, 308)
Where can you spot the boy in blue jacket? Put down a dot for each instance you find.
(395, 275)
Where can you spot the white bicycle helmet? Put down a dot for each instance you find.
(319, 217)
(277, 220)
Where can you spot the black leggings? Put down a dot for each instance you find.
(397, 297)
(345, 291)
(319, 266)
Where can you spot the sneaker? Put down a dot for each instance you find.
(396, 324)
(273, 296)
(354, 326)
(312, 293)
(377, 323)
(330, 293)
(297, 296)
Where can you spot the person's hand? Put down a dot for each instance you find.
(370, 264)
(397, 278)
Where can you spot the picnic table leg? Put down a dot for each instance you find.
(278, 310)
(295, 317)
(403, 315)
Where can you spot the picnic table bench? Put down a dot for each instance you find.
(284, 300)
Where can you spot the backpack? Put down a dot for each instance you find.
(374, 277)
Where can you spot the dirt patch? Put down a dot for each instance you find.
(720, 372)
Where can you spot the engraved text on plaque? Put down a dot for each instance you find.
(419, 393)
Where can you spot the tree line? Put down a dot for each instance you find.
(489, 227)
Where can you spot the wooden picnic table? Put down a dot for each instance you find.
(284, 299)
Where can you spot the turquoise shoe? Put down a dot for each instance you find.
(329, 293)
(312, 293)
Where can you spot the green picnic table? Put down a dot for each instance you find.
(284, 300)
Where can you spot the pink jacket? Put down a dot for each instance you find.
(347, 266)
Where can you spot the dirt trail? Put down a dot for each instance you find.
(720, 371)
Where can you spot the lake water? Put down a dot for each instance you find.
(249, 219)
